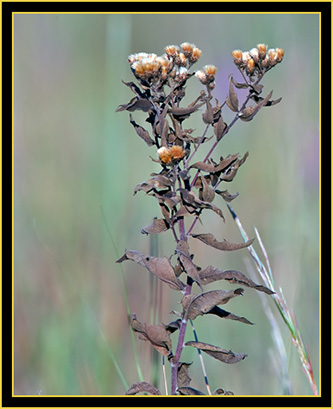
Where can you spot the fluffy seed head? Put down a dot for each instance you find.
(273, 56)
(196, 54)
(181, 59)
(176, 152)
(164, 155)
(262, 48)
(172, 50)
(254, 52)
(250, 66)
(201, 77)
(181, 74)
(237, 54)
(280, 54)
(210, 70)
(187, 48)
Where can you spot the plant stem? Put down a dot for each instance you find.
(180, 344)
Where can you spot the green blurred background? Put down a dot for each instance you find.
(75, 159)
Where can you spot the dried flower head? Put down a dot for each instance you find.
(181, 60)
(254, 53)
(187, 48)
(280, 54)
(172, 50)
(201, 77)
(164, 155)
(246, 56)
(210, 70)
(237, 54)
(250, 66)
(196, 54)
(262, 48)
(177, 152)
(181, 74)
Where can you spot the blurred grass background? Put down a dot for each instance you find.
(74, 156)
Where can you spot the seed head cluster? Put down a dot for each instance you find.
(172, 154)
(174, 64)
(258, 60)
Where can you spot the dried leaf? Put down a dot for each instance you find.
(247, 114)
(208, 115)
(157, 226)
(165, 133)
(224, 245)
(195, 305)
(257, 88)
(134, 88)
(136, 103)
(206, 193)
(187, 390)
(142, 132)
(173, 326)
(219, 128)
(221, 166)
(240, 85)
(230, 173)
(157, 335)
(232, 99)
(182, 113)
(222, 355)
(183, 378)
(159, 266)
(158, 182)
(184, 256)
(228, 315)
(142, 387)
(269, 103)
(226, 195)
(212, 274)
(189, 198)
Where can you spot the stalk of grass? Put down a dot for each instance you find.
(201, 359)
(286, 313)
(128, 310)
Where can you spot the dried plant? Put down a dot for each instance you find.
(184, 189)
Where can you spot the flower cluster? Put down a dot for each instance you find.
(172, 154)
(174, 63)
(258, 60)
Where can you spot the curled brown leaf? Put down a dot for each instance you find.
(248, 113)
(157, 226)
(157, 335)
(218, 353)
(139, 387)
(184, 257)
(211, 274)
(159, 266)
(136, 103)
(143, 133)
(195, 305)
(224, 245)
(228, 315)
(232, 99)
